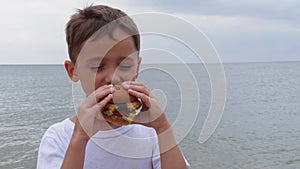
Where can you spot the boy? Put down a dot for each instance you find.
(103, 45)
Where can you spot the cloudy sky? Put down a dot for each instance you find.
(32, 31)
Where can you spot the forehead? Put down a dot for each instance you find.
(118, 44)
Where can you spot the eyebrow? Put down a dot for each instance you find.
(127, 58)
(98, 58)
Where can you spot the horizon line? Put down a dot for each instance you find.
(237, 62)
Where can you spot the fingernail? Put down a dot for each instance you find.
(126, 86)
(112, 89)
(125, 83)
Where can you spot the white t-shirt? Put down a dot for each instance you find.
(133, 147)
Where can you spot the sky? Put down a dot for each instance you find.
(32, 31)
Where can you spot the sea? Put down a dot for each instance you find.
(259, 127)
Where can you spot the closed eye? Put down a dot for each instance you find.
(125, 66)
(97, 68)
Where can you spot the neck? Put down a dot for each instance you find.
(102, 125)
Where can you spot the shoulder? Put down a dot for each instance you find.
(54, 144)
(61, 131)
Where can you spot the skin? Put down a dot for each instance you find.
(119, 64)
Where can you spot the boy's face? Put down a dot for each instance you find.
(107, 61)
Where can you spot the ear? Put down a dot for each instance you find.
(71, 70)
(138, 68)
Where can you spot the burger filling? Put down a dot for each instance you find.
(125, 110)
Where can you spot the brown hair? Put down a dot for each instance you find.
(89, 20)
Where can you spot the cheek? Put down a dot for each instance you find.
(87, 80)
(88, 83)
(127, 75)
(98, 81)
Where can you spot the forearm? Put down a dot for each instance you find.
(153, 116)
(173, 159)
(171, 156)
(74, 158)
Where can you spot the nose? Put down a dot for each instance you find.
(112, 77)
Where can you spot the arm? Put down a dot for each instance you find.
(171, 156)
(153, 116)
(87, 123)
(74, 158)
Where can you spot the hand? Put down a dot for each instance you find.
(151, 115)
(89, 119)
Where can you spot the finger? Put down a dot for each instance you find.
(133, 83)
(91, 98)
(99, 106)
(148, 118)
(144, 98)
(142, 118)
(99, 94)
(103, 87)
(104, 101)
(127, 84)
(138, 88)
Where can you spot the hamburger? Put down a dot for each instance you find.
(122, 109)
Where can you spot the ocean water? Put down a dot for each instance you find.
(259, 128)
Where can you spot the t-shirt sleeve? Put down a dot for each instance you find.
(50, 155)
